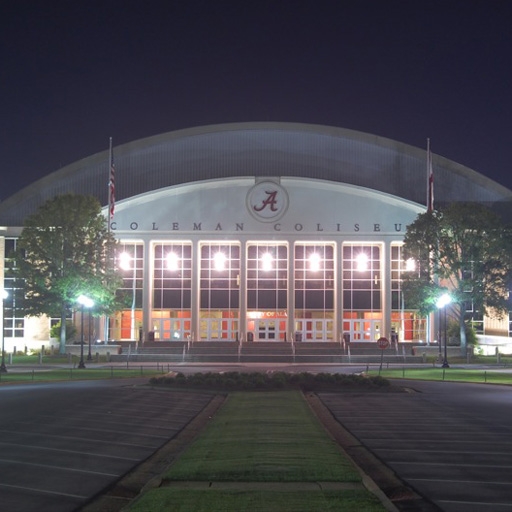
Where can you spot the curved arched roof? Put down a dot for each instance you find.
(259, 149)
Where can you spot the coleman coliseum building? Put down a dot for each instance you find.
(257, 232)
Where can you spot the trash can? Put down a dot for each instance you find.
(250, 336)
(151, 336)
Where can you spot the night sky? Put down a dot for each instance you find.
(75, 72)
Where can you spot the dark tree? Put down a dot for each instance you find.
(65, 250)
(466, 250)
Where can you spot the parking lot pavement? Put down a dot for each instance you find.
(62, 444)
(450, 442)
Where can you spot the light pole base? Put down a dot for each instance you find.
(445, 364)
(3, 368)
(81, 364)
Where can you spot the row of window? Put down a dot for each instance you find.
(267, 275)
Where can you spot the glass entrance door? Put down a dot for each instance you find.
(362, 329)
(266, 329)
(171, 329)
(219, 329)
(314, 329)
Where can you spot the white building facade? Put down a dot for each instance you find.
(256, 232)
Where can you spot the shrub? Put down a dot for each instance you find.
(70, 331)
(304, 381)
(279, 380)
(379, 381)
(453, 332)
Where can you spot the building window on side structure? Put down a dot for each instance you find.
(14, 322)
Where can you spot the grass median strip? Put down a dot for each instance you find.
(256, 440)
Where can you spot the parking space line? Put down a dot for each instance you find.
(58, 468)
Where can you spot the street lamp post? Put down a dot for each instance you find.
(445, 361)
(3, 368)
(89, 355)
(87, 303)
(439, 333)
(442, 302)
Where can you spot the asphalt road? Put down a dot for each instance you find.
(61, 444)
(450, 442)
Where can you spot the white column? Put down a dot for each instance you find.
(290, 299)
(195, 303)
(242, 284)
(386, 290)
(338, 290)
(147, 290)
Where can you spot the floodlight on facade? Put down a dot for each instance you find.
(125, 261)
(410, 265)
(266, 261)
(362, 262)
(219, 261)
(173, 261)
(314, 262)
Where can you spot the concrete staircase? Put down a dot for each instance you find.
(263, 352)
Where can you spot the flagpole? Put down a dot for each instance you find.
(109, 214)
(430, 179)
(109, 219)
(430, 207)
(428, 174)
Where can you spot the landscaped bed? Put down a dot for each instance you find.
(259, 381)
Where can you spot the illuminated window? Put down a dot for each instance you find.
(314, 291)
(267, 276)
(314, 277)
(130, 260)
(172, 276)
(220, 276)
(362, 277)
(14, 321)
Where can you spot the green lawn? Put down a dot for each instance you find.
(489, 376)
(255, 439)
(167, 500)
(260, 437)
(78, 374)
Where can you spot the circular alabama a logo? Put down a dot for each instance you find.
(267, 201)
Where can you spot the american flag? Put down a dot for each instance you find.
(112, 184)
